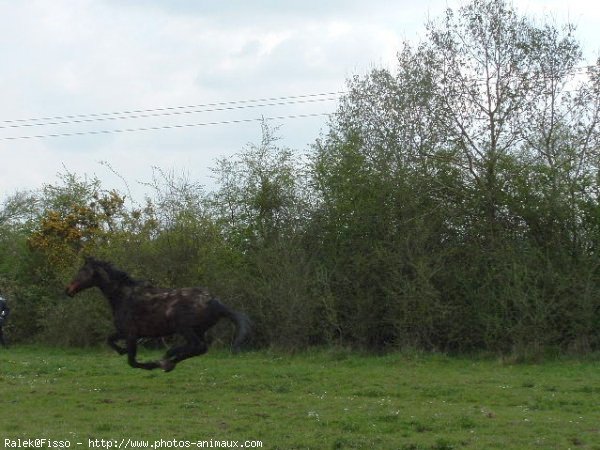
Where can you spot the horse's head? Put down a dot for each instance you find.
(84, 279)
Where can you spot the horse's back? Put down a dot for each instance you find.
(175, 308)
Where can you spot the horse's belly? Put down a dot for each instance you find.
(145, 326)
(146, 329)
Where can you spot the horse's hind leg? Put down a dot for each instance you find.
(175, 350)
(194, 346)
(131, 354)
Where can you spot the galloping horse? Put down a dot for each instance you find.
(142, 310)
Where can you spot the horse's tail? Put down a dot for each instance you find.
(241, 321)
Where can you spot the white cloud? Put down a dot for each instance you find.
(62, 57)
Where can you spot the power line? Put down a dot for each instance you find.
(141, 113)
(171, 113)
(161, 127)
(164, 110)
(182, 110)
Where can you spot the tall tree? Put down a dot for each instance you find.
(489, 132)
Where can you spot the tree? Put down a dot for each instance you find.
(487, 138)
(263, 210)
(76, 217)
(260, 191)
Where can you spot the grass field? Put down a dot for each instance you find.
(316, 400)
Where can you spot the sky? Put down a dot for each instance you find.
(191, 74)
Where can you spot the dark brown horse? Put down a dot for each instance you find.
(142, 310)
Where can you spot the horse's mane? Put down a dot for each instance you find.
(116, 274)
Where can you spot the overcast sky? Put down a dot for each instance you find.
(83, 57)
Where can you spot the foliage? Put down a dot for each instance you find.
(449, 220)
(452, 205)
(262, 206)
(75, 218)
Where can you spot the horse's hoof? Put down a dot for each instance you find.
(167, 365)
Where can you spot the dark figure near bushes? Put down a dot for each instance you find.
(4, 312)
(141, 310)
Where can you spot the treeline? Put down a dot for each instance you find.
(452, 205)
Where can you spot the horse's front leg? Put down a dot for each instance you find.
(112, 342)
(132, 352)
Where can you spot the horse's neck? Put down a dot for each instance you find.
(115, 295)
(116, 291)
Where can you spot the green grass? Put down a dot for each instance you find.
(315, 400)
